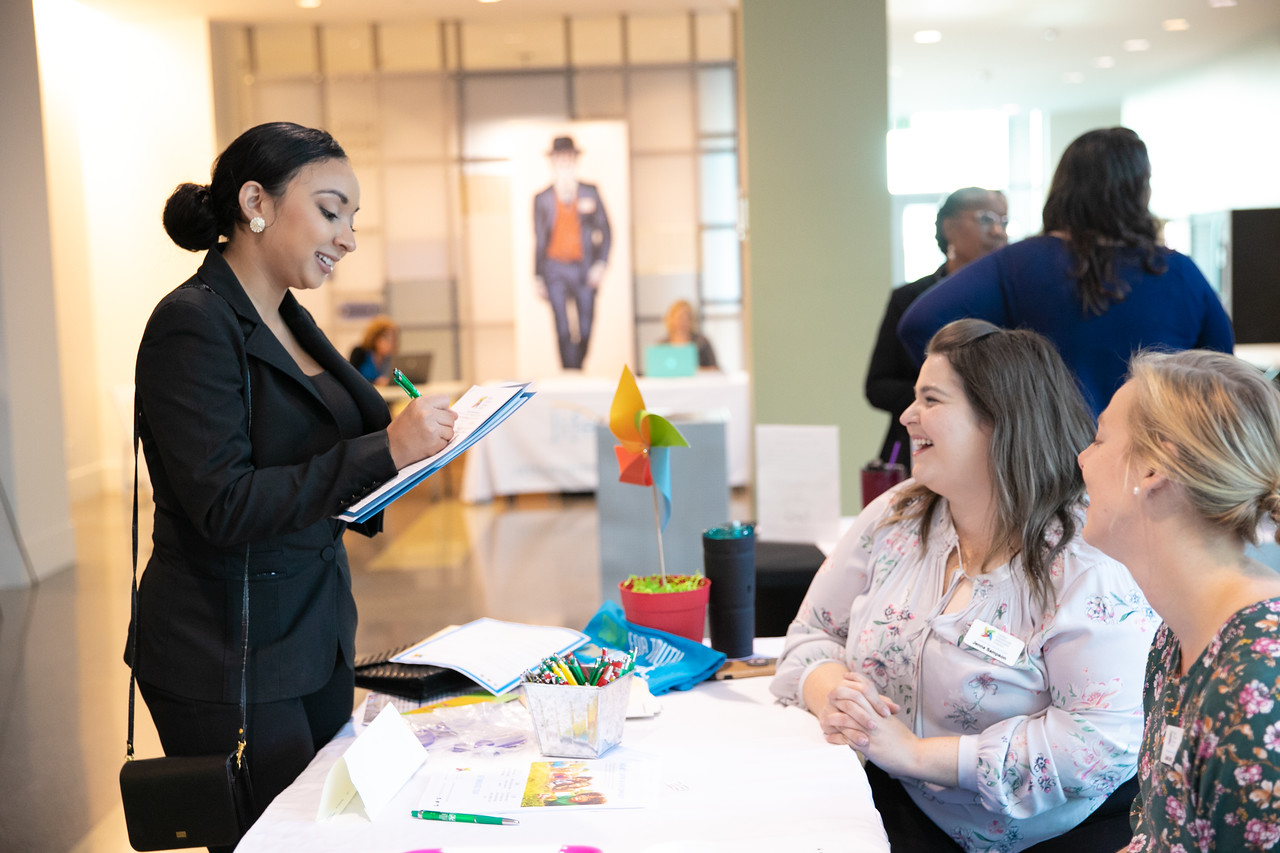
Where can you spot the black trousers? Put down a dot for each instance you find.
(911, 831)
(283, 736)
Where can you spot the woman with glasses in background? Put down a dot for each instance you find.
(1097, 282)
(970, 225)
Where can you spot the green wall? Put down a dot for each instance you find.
(818, 257)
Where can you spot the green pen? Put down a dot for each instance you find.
(459, 817)
(403, 382)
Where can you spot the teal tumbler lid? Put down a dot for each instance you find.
(731, 530)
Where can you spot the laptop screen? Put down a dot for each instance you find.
(671, 360)
(415, 366)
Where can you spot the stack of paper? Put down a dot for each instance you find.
(494, 654)
(479, 410)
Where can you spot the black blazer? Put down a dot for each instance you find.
(891, 374)
(222, 485)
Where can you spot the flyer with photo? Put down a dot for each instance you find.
(554, 782)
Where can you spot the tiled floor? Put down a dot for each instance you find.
(64, 688)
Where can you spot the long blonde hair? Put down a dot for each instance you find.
(1211, 423)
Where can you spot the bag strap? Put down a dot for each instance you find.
(133, 612)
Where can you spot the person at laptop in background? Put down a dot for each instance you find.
(681, 330)
(572, 237)
(373, 356)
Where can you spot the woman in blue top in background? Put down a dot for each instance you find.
(373, 356)
(1096, 283)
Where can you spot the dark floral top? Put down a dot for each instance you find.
(1210, 766)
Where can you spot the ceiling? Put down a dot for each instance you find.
(993, 54)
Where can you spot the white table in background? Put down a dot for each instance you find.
(549, 445)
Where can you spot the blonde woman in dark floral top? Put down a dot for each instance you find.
(1184, 470)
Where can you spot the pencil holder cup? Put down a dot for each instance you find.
(578, 722)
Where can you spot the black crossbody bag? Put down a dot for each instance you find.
(186, 801)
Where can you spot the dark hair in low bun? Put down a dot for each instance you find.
(271, 154)
(188, 220)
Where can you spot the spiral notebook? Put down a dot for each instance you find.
(419, 682)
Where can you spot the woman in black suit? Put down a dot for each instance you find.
(257, 432)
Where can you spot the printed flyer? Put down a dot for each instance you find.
(569, 782)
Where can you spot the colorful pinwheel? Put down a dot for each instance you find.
(643, 455)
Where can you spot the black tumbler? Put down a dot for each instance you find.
(729, 561)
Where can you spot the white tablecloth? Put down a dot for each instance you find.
(737, 772)
(549, 445)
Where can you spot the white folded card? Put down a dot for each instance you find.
(797, 483)
(374, 768)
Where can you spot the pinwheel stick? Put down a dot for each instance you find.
(657, 528)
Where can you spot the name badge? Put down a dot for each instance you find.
(993, 642)
(1172, 743)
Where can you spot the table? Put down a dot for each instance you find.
(549, 445)
(1264, 356)
(738, 773)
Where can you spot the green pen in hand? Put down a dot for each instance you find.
(403, 382)
(458, 817)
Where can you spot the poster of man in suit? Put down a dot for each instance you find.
(576, 232)
(572, 237)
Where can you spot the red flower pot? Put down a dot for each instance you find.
(682, 613)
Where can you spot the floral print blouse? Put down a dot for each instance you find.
(1044, 740)
(1209, 778)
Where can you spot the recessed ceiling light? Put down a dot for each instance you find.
(1073, 77)
(1220, 4)
(489, 1)
(1104, 62)
(927, 37)
(1176, 25)
(309, 4)
(1136, 45)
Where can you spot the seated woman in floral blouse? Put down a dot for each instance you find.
(1184, 470)
(962, 637)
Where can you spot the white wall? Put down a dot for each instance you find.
(36, 537)
(128, 115)
(1212, 134)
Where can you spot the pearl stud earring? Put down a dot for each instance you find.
(1135, 490)
(257, 225)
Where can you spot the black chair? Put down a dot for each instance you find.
(783, 573)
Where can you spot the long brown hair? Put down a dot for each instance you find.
(1099, 196)
(1018, 386)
